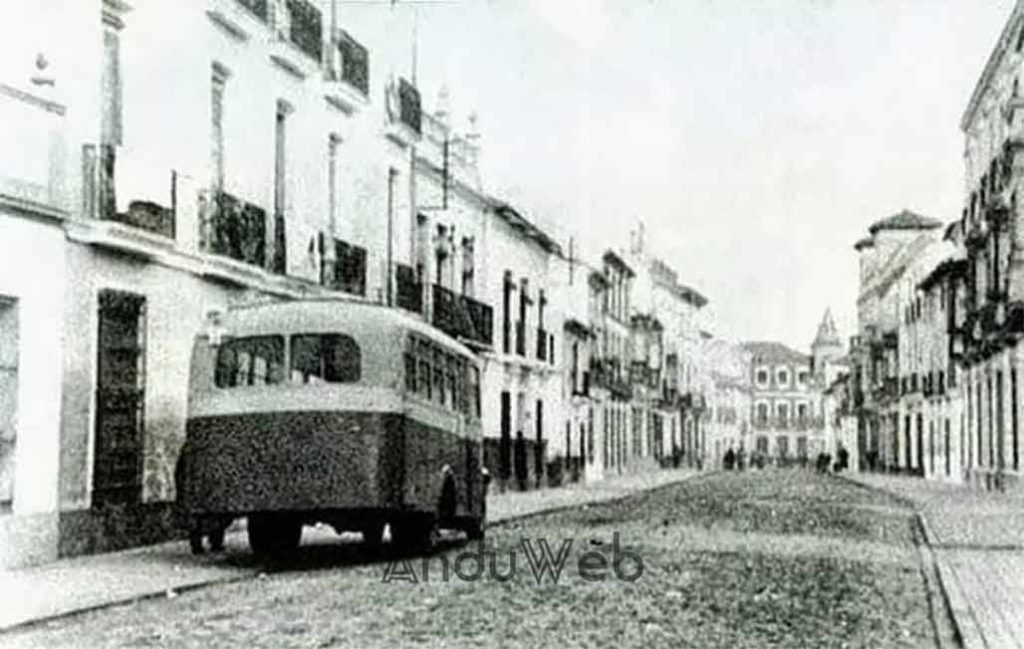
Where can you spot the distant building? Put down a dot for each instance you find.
(893, 244)
(785, 410)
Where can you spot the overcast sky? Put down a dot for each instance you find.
(756, 140)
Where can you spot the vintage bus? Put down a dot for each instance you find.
(352, 414)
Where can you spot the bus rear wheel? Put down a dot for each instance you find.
(415, 534)
(274, 535)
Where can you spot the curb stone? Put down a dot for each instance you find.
(965, 630)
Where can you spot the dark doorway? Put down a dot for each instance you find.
(120, 398)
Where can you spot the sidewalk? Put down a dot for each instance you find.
(98, 581)
(977, 539)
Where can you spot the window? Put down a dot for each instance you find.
(440, 367)
(802, 378)
(410, 369)
(762, 413)
(782, 443)
(474, 390)
(783, 412)
(257, 360)
(801, 411)
(762, 377)
(8, 398)
(783, 377)
(762, 444)
(330, 358)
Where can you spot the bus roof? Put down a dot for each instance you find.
(361, 319)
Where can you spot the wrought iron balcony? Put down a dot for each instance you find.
(305, 27)
(279, 261)
(349, 268)
(148, 194)
(408, 289)
(349, 62)
(410, 110)
(260, 8)
(233, 228)
(461, 316)
(482, 317)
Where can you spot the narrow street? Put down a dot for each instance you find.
(779, 557)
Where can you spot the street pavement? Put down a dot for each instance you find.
(978, 542)
(165, 570)
(779, 557)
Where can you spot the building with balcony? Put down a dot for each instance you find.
(610, 382)
(993, 128)
(582, 293)
(938, 449)
(892, 246)
(522, 388)
(786, 411)
(33, 209)
(729, 401)
(213, 153)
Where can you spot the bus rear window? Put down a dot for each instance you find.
(258, 360)
(325, 358)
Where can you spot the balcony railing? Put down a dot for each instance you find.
(257, 7)
(233, 228)
(408, 289)
(542, 344)
(148, 195)
(461, 316)
(305, 27)
(279, 260)
(482, 317)
(785, 423)
(410, 110)
(350, 62)
(349, 268)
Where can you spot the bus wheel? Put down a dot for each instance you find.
(274, 535)
(415, 534)
(217, 539)
(373, 534)
(195, 539)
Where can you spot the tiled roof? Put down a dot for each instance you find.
(905, 220)
(771, 351)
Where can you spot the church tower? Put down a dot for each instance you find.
(827, 346)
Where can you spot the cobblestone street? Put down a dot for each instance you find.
(774, 557)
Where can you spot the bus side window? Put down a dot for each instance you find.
(453, 384)
(439, 370)
(258, 360)
(334, 358)
(410, 366)
(474, 378)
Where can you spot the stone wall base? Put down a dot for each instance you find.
(27, 539)
(116, 527)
